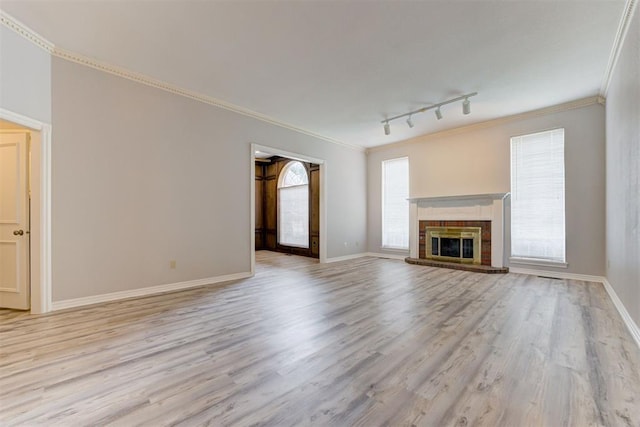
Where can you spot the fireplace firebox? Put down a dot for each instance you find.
(454, 244)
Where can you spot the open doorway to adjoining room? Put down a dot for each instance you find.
(287, 199)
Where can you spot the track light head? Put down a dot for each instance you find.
(387, 128)
(410, 122)
(466, 106)
(438, 113)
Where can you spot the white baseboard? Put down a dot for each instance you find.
(345, 257)
(626, 317)
(557, 274)
(152, 290)
(364, 254)
(388, 256)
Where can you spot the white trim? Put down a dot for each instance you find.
(26, 32)
(462, 197)
(142, 292)
(323, 196)
(78, 58)
(345, 257)
(618, 43)
(537, 262)
(387, 256)
(622, 310)
(557, 274)
(283, 153)
(252, 209)
(41, 284)
(177, 90)
(626, 317)
(578, 103)
(368, 254)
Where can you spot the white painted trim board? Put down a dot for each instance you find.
(40, 280)
(556, 274)
(366, 254)
(35, 38)
(626, 317)
(622, 310)
(142, 292)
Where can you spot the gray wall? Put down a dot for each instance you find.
(623, 174)
(482, 155)
(142, 177)
(25, 77)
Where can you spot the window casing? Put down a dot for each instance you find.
(538, 197)
(395, 206)
(293, 206)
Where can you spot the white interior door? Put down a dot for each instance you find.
(14, 221)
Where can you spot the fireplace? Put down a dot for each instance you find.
(453, 238)
(454, 244)
(464, 242)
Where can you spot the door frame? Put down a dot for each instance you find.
(40, 237)
(323, 197)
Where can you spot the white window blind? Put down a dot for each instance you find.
(395, 206)
(537, 196)
(293, 206)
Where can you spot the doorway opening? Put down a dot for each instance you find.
(287, 203)
(26, 214)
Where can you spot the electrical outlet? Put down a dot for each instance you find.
(172, 264)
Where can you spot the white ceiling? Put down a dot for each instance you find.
(337, 68)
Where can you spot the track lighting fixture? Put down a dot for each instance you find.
(466, 106)
(466, 109)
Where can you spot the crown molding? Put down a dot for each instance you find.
(78, 58)
(26, 32)
(177, 90)
(623, 29)
(571, 105)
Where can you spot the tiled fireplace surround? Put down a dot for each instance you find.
(476, 210)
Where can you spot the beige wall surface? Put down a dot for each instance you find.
(25, 77)
(477, 161)
(142, 177)
(623, 174)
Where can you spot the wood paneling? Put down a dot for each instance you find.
(259, 206)
(365, 342)
(270, 174)
(314, 209)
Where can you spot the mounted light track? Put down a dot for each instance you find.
(466, 109)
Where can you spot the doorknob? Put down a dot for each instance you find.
(18, 232)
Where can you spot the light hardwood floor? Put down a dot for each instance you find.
(365, 342)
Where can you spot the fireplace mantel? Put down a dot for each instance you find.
(472, 207)
(464, 197)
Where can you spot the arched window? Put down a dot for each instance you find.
(293, 206)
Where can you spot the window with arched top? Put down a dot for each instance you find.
(293, 206)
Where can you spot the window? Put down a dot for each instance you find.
(293, 206)
(395, 206)
(537, 196)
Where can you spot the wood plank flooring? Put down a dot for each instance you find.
(366, 342)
